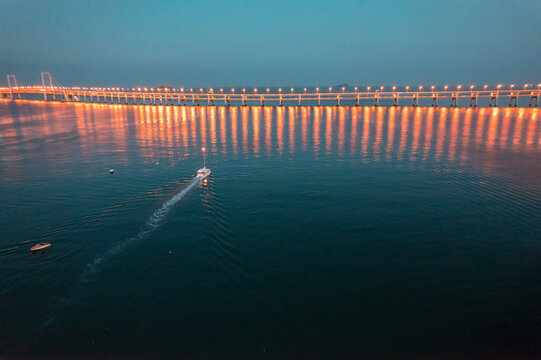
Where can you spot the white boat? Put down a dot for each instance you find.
(203, 172)
(40, 246)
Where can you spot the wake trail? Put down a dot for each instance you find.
(150, 225)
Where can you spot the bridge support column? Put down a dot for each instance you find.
(534, 96)
(357, 100)
(281, 102)
(318, 100)
(228, 100)
(262, 101)
(513, 96)
(376, 98)
(493, 99)
(415, 100)
(454, 100)
(395, 99)
(435, 99)
(473, 100)
(299, 99)
(338, 100)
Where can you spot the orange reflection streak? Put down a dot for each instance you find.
(354, 119)
(185, 134)
(234, 129)
(304, 120)
(532, 123)
(193, 136)
(478, 138)
(329, 115)
(417, 124)
(492, 128)
(380, 119)
(366, 131)
(518, 138)
(429, 136)
(390, 133)
(292, 114)
(404, 123)
(341, 131)
(212, 130)
(466, 135)
(203, 127)
(505, 129)
(280, 128)
(223, 130)
(268, 129)
(454, 134)
(317, 119)
(255, 121)
(244, 119)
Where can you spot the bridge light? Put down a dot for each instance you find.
(459, 87)
(317, 89)
(280, 90)
(484, 87)
(407, 88)
(243, 91)
(432, 87)
(182, 89)
(421, 87)
(471, 87)
(525, 86)
(268, 90)
(221, 90)
(343, 88)
(232, 90)
(200, 90)
(330, 89)
(255, 90)
(368, 88)
(356, 88)
(305, 90)
(381, 88)
(512, 86)
(445, 87)
(499, 86)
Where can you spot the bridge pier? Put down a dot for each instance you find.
(493, 99)
(281, 103)
(454, 100)
(395, 99)
(262, 100)
(338, 100)
(318, 100)
(534, 96)
(513, 96)
(434, 100)
(299, 99)
(473, 100)
(228, 101)
(415, 100)
(357, 100)
(376, 98)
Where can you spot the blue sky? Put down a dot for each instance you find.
(271, 43)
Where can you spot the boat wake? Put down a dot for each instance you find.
(151, 224)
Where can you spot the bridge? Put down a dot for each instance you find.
(340, 96)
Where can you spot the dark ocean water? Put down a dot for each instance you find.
(330, 232)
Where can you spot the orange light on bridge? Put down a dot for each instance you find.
(305, 90)
(268, 90)
(407, 88)
(280, 90)
(343, 88)
(232, 90)
(255, 90)
(499, 86)
(485, 87)
(421, 87)
(526, 85)
(330, 89)
(381, 88)
(471, 87)
(368, 88)
(432, 87)
(292, 90)
(445, 87)
(317, 90)
(459, 87)
(356, 88)
(512, 86)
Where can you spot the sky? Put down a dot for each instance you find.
(271, 43)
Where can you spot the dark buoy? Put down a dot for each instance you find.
(111, 171)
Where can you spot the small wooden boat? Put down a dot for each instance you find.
(40, 246)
